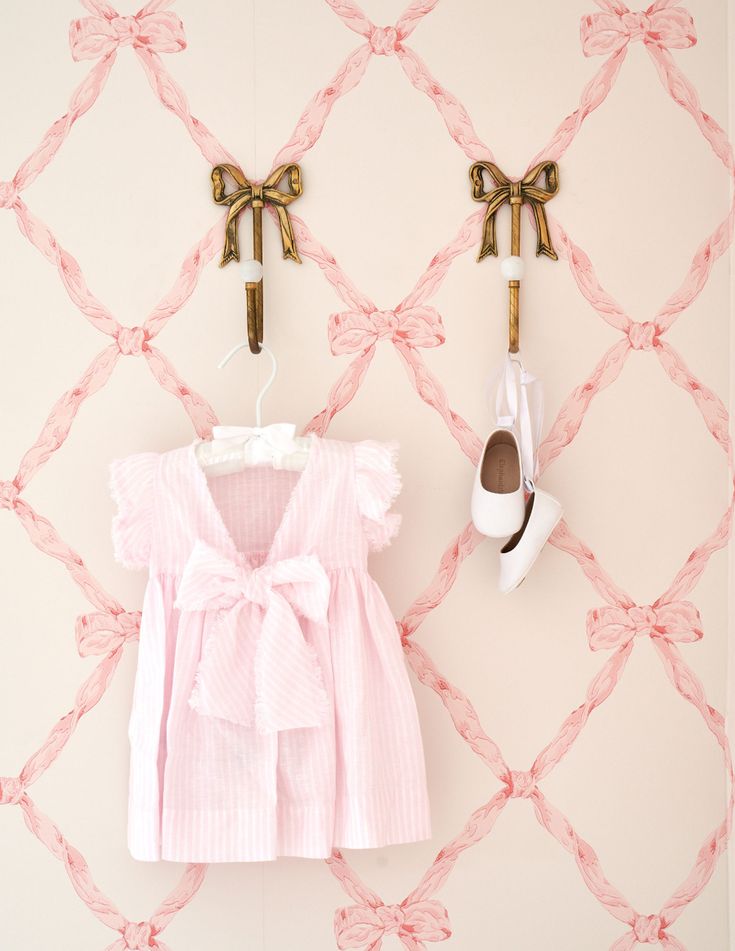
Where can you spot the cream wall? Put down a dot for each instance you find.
(642, 484)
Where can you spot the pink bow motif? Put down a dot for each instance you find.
(648, 929)
(101, 34)
(605, 33)
(414, 922)
(352, 331)
(12, 790)
(101, 631)
(256, 666)
(385, 40)
(138, 935)
(610, 627)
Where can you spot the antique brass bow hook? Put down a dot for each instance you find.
(257, 196)
(515, 194)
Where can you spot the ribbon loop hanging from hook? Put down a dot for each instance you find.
(518, 398)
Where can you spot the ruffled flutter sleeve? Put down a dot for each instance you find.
(131, 483)
(378, 485)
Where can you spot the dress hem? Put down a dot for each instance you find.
(148, 852)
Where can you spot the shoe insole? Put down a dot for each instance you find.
(500, 471)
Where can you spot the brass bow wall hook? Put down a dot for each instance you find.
(256, 195)
(529, 191)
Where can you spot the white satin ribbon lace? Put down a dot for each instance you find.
(518, 398)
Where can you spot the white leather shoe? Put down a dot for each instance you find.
(498, 500)
(517, 556)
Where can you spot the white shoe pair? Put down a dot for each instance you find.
(499, 507)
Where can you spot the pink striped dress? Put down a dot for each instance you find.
(272, 711)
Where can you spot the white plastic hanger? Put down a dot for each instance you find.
(268, 383)
(233, 448)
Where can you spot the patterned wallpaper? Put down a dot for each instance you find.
(580, 770)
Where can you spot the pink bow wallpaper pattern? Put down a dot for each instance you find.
(671, 622)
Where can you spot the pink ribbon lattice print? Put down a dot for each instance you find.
(671, 622)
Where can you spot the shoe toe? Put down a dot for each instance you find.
(518, 556)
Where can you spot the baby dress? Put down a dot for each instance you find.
(272, 710)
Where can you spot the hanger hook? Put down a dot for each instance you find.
(269, 382)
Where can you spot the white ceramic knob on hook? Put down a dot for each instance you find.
(251, 271)
(512, 268)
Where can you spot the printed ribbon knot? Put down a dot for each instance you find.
(637, 23)
(384, 40)
(95, 36)
(132, 341)
(257, 195)
(610, 627)
(643, 336)
(605, 33)
(522, 784)
(647, 929)
(256, 666)
(8, 194)
(9, 493)
(138, 935)
(102, 631)
(11, 790)
(506, 191)
(352, 331)
(360, 925)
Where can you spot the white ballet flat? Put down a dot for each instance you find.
(517, 556)
(498, 500)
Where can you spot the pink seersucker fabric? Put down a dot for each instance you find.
(272, 711)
